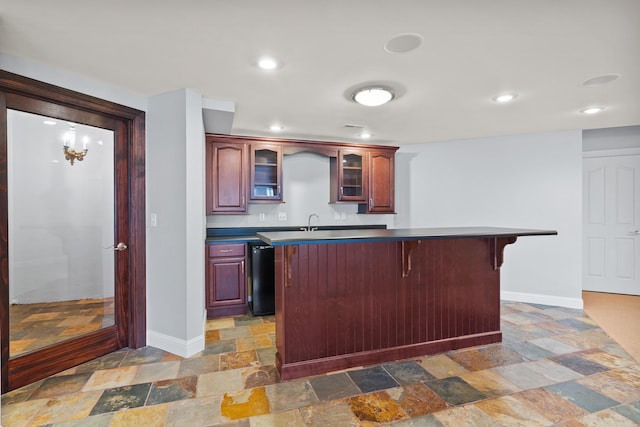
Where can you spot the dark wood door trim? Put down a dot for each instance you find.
(26, 94)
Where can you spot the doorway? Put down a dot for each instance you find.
(611, 222)
(72, 286)
(61, 225)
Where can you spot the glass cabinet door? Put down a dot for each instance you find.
(352, 176)
(266, 173)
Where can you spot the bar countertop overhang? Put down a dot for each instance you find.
(335, 236)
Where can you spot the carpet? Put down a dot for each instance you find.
(618, 315)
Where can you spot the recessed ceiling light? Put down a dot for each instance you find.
(504, 98)
(276, 128)
(601, 80)
(268, 63)
(402, 43)
(49, 122)
(365, 135)
(591, 110)
(373, 96)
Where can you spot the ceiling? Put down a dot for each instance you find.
(472, 50)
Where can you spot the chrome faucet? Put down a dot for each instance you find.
(308, 228)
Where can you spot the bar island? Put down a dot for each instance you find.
(351, 298)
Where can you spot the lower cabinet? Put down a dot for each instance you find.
(226, 279)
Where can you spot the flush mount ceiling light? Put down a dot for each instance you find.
(276, 128)
(365, 135)
(267, 63)
(592, 110)
(505, 97)
(49, 122)
(373, 96)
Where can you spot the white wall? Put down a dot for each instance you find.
(175, 195)
(306, 191)
(522, 181)
(82, 84)
(60, 215)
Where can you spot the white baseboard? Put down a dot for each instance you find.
(576, 303)
(174, 345)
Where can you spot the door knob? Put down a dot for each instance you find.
(120, 247)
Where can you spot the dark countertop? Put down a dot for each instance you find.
(249, 234)
(279, 238)
(240, 238)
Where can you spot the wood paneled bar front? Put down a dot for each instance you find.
(350, 298)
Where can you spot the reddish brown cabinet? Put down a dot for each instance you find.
(226, 279)
(349, 176)
(226, 176)
(266, 173)
(352, 175)
(244, 169)
(381, 182)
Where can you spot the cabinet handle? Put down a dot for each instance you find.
(370, 202)
(278, 190)
(243, 201)
(242, 264)
(341, 190)
(225, 251)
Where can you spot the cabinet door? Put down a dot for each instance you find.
(226, 277)
(266, 173)
(226, 290)
(352, 176)
(381, 182)
(226, 177)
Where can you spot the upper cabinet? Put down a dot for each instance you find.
(266, 173)
(242, 170)
(226, 172)
(381, 183)
(349, 174)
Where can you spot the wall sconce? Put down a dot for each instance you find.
(70, 152)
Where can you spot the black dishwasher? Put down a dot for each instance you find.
(262, 284)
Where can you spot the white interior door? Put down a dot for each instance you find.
(611, 224)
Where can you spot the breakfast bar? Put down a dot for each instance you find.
(347, 298)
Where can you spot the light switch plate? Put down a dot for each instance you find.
(282, 216)
(261, 216)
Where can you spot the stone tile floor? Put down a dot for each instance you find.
(38, 325)
(554, 367)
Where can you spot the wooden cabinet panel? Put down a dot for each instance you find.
(266, 173)
(226, 279)
(227, 250)
(349, 172)
(226, 177)
(381, 183)
(360, 308)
